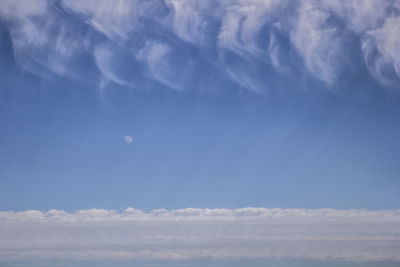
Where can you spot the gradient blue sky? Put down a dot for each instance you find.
(291, 104)
(276, 104)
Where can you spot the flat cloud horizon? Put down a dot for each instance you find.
(184, 234)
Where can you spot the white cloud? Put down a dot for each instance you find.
(103, 55)
(19, 9)
(358, 16)
(115, 19)
(278, 56)
(190, 18)
(386, 40)
(240, 75)
(317, 41)
(252, 233)
(162, 66)
(243, 22)
(45, 42)
(36, 47)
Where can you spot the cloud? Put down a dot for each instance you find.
(317, 42)
(243, 23)
(105, 62)
(191, 18)
(118, 20)
(358, 17)
(247, 233)
(381, 48)
(35, 48)
(162, 40)
(157, 57)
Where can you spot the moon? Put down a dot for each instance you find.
(128, 139)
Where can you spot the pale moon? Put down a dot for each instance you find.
(128, 139)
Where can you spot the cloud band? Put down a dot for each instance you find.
(167, 41)
(221, 234)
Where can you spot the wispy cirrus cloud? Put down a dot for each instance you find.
(35, 48)
(104, 58)
(381, 48)
(247, 233)
(55, 37)
(157, 58)
(317, 42)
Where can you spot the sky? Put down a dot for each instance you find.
(212, 116)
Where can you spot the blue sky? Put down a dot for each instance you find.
(230, 104)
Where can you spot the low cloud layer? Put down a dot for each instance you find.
(170, 42)
(221, 234)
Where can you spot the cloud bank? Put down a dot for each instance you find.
(221, 234)
(168, 42)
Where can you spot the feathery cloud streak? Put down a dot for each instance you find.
(165, 41)
(248, 233)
